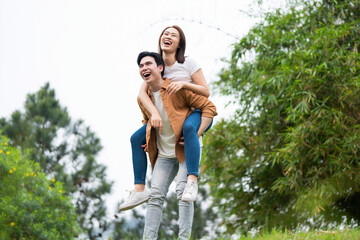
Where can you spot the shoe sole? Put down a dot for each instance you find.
(133, 206)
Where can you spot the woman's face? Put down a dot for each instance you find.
(169, 41)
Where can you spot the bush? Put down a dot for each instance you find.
(31, 206)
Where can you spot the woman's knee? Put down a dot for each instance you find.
(136, 138)
(192, 123)
(139, 136)
(189, 127)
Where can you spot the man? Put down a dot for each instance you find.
(167, 156)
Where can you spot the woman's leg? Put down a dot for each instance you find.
(138, 155)
(139, 195)
(192, 144)
(192, 153)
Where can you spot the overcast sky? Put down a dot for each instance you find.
(87, 51)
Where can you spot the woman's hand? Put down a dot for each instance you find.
(174, 87)
(156, 121)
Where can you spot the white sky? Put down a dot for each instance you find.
(87, 50)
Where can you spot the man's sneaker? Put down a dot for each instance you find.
(135, 199)
(190, 192)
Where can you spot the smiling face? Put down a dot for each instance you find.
(172, 41)
(169, 40)
(149, 71)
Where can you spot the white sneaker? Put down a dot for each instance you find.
(190, 192)
(135, 199)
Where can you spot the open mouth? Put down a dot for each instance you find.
(167, 42)
(146, 75)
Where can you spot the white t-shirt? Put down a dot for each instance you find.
(166, 140)
(182, 71)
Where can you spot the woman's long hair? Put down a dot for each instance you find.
(180, 52)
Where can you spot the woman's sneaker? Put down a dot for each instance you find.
(190, 192)
(135, 199)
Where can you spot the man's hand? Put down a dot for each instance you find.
(145, 147)
(156, 121)
(174, 87)
(205, 122)
(200, 133)
(181, 141)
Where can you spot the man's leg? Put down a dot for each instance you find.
(164, 173)
(186, 209)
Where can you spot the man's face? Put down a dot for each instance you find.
(148, 69)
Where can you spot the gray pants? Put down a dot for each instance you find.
(164, 173)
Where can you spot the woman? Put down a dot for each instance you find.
(184, 73)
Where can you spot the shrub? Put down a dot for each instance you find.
(32, 206)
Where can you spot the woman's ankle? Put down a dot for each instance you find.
(193, 178)
(139, 187)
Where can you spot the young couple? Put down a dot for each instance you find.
(173, 100)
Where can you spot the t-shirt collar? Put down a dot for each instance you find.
(164, 86)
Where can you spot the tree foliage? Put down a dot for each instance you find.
(32, 206)
(65, 150)
(289, 156)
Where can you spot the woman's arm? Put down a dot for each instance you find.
(155, 119)
(200, 86)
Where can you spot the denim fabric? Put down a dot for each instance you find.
(164, 173)
(192, 147)
(192, 144)
(139, 155)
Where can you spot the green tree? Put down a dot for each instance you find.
(32, 206)
(289, 156)
(65, 150)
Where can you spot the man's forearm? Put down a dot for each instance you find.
(147, 103)
(205, 122)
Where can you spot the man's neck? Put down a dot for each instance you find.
(169, 59)
(156, 85)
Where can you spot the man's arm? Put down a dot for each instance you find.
(143, 111)
(205, 122)
(148, 105)
(208, 109)
(200, 102)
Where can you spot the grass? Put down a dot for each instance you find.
(344, 234)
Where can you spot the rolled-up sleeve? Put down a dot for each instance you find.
(145, 116)
(200, 102)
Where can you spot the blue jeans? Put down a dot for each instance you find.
(164, 173)
(139, 155)
(192, 147)
(192, 144)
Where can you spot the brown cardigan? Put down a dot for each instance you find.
(178, 107)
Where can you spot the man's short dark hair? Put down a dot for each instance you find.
(157, 57)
